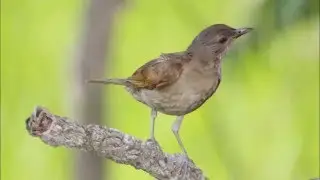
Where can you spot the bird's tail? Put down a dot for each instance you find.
(122, 82)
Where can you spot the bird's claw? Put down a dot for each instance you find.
(182, 173)
(153, 140)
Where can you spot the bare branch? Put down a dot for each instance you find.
(112, 144)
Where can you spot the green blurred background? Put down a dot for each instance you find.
(262, 123)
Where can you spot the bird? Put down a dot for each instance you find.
(179, 83)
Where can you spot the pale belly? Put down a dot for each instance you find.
(178, 99)
(175, 104)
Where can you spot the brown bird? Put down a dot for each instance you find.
(179, 83)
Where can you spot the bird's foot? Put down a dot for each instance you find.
(152, 140)
(184, 165)
(153, 144)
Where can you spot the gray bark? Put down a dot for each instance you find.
(112, 144)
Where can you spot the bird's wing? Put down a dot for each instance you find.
(159, 72)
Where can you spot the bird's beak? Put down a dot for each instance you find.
(241, 31)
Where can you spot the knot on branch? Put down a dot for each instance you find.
(39, 122)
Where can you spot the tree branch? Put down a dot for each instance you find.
(112, 144)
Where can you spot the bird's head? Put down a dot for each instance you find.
(216, 39)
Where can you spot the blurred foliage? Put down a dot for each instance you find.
(263, 122)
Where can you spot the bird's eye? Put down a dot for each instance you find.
(223, 40)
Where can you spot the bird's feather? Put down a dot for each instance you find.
(159, 72)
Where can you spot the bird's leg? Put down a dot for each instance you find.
(175, 129)
(152, 123)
